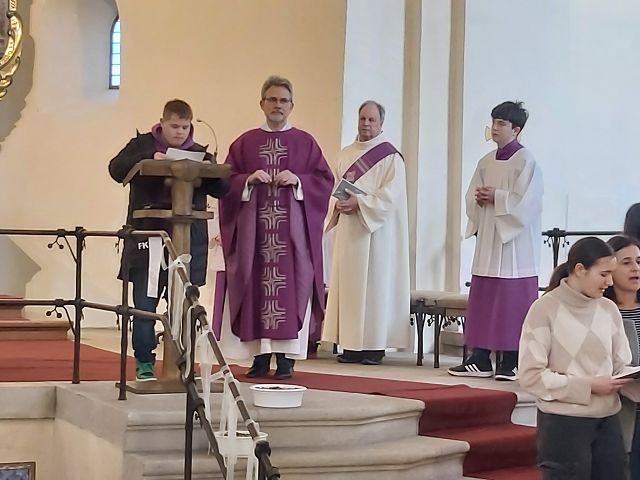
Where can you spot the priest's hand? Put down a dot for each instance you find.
(259, 176)
(348, 206)
(285, 178)
(159, 156)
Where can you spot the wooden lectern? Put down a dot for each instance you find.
(183, 176)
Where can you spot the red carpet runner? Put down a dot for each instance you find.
(500, 450)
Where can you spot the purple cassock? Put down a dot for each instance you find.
(272, 243)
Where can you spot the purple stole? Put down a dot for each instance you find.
(368, 160)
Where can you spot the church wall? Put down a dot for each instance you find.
(82, 455)
(60, 450)
(575, 65)
(29, 440)
(373, 64)
(214, 54)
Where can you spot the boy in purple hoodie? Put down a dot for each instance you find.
(175, 130)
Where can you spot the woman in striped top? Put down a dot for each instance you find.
(625, 292)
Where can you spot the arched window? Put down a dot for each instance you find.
(114, 58)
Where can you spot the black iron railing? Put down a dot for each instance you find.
(198, 319)
(557, 237)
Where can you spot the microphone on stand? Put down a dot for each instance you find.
(215, 138)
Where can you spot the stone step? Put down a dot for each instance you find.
(147, 423)
(412, 458)
(10, 312)
(13, 325)
(22, 329)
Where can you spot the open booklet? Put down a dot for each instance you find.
(177, 154)
(341, 190)
(628, 372)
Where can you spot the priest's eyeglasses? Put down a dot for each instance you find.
(275, 100)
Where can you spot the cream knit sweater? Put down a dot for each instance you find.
(567, 340)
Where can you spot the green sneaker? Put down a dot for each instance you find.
(145, 371)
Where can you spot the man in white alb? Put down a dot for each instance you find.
(369, 293)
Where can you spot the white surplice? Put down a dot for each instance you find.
(369, 293)
(508, 231)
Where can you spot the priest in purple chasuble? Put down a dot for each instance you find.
(271, 223)
(369, 290)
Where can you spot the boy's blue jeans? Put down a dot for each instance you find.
(144, 335)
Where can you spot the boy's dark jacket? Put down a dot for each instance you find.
(151, 192)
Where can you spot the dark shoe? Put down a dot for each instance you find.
(471, 369)
(260, 367)
(477, 365)
(284, 368)
(372, 357)
(343, 359)
(371, 361)
(350, 356)
(507, 370)
(507, 375)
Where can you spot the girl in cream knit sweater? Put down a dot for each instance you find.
(572, 345)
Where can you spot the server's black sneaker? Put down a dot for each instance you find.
(507, 375)
(471, 369)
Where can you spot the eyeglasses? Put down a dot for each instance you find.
(275, 100)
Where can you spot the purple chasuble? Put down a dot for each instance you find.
(368, 160)
(272, 243)
(506, 152)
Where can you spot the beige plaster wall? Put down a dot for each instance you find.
(212, 53)
(29, 440)
(82, 455)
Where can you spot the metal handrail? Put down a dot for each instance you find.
(195, 405)
(557, 236)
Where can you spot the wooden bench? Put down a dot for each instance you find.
(437, 308)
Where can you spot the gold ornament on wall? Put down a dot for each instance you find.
(10, 43)
(487, 133)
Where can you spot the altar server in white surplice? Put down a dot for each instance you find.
(368, 304)
(504, 206)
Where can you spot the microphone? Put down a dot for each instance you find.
(215, 138)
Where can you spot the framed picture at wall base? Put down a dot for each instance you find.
(18, 471)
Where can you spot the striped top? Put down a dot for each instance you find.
(634, 316)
